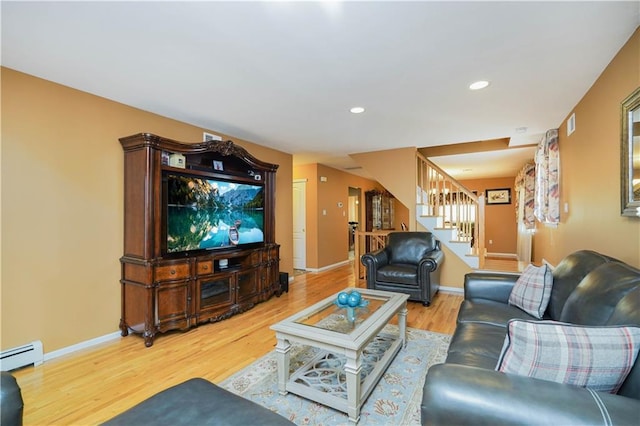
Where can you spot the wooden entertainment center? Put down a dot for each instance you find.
(164, 291)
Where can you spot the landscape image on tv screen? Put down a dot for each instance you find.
(206, 213)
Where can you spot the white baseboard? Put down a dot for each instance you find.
(82, 345)
(503, 255)
(325, 268)
(454, 290)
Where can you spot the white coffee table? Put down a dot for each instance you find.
(353, 355)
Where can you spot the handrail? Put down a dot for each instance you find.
(431, 165)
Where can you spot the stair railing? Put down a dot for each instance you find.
(455, 207)
(366, 242)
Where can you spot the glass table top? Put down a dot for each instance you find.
(333, 317)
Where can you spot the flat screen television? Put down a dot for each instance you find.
(202, 213)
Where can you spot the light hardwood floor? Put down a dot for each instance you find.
(501, 264)
(93, 385)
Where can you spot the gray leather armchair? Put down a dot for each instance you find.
(408, 264)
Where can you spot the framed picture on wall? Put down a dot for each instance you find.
(499, 196)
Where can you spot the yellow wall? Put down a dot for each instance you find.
(400, 215)
(500, 219)
(327, 235)
(395, 169)
(62, 198)
(590, 171)
(309, 172)
(62, 208)
(453, 268)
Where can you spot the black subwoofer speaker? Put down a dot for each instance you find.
(284, 282)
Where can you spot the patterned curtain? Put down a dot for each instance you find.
(547, 188)
(525, 191)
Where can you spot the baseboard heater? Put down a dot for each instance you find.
(22, 356)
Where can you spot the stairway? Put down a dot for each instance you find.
(450, 211)
(461, 247)
(441, 205)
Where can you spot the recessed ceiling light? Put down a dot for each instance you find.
(481, 84)
(357, 110)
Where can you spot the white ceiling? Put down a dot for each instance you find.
(504, 163)
(284, 74)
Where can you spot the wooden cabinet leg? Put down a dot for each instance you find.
(148, 338)
(124, 330)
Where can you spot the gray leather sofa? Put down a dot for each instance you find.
(11, 404)
(193, 402)
(198, 402)
(588, 289)
(409, 264)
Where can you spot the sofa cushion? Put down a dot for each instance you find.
(476, 344)
(532, 290)
(398, 273)
(490, 312)
(609, 295)
(569, 273)
(599, 299)
(409, 247)
(599, 358)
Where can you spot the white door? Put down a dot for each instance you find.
(299, 224)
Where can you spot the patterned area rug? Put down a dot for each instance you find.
(394, 401)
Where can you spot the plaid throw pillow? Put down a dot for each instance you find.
(532, 291)
(598, 358)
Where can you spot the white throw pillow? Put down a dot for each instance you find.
(599, 358)
(532, 290)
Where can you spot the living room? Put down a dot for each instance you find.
(62, 200)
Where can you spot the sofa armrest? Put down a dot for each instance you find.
(375, 259)
(431, 261)
(459, 394)
(489, 285)
(372, 261)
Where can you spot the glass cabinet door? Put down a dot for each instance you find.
(215, 291)
(248, 284)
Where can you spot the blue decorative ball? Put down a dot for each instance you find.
(354, 299)
(343, 298)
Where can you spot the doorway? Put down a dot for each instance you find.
(299, 225)
(354, 217)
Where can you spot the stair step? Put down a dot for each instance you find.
(461, 248)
